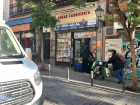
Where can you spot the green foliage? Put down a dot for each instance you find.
(132, 13)
(80, 3)
(42, 13)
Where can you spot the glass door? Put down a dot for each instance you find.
(77, 48)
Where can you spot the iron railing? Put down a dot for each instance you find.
(16, 10)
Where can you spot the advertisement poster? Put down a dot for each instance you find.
(85, 34)
(112, 44)
(99, 44)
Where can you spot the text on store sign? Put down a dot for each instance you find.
(74, 15)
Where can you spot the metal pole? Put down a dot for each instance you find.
(123, 85)
(68, 74)
(49, 69)
(91, 78)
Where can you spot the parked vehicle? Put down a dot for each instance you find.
(20, 80)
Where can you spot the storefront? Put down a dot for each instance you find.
(23, 32)
(26, 39)
(127, 53)
(72, 38)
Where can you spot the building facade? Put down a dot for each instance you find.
(6, 10)
(19, 20)
(63, 45)
(77, 29)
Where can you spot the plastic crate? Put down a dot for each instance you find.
(78, 66)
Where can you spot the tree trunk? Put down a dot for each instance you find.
(42, 48)
(134, 70)
(37, 46)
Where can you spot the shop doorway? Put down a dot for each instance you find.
(80, 45)
(47, 48)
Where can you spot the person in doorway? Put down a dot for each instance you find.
(117, 65)
(85, 56)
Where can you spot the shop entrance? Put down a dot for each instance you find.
(46, 47)
(80, 45)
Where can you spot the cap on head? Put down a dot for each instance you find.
(114, 51)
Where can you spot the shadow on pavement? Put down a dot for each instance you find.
(78, 76)
(60, 92)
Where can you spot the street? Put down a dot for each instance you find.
(59, 91)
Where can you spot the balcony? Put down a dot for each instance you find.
(61, 3)
(16, 10)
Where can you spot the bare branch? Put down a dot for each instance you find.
(122, 16)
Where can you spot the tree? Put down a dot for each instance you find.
(129, 20)
(131, 16)
(41, 17)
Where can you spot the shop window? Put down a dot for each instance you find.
(27, 40)
(63, 47)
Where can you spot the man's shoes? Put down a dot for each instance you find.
(119, 82)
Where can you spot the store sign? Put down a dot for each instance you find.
(74, 15)
(112, 44)
(27, 35)
(77, 25)
(84, 34)
(22, 27)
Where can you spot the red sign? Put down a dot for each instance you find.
(74, 15)
(22, 27)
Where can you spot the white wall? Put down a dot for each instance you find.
(6, 9)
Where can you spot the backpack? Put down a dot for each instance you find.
(122, 58)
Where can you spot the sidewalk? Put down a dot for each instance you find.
(78, 76)
(77, 91)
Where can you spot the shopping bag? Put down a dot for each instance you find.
(106, 72)
(94, 65)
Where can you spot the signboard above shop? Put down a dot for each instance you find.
(77, 25)
(21, 27)
(76, 15)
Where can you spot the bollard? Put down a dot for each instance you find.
(68, 74)
(49, 69)
(91, 78)
(123, 85)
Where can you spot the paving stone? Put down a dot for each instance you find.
(60, 92)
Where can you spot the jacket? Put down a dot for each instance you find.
(86, 53)
(116, 62)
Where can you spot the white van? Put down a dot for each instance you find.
(20, 80)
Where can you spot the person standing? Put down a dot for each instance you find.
(85, 56)
(117, 65)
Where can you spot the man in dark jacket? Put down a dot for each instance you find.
(117, 65)
(85, 56)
